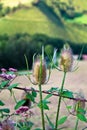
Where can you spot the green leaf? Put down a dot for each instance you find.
(48, 96)
(24, 73)
(50, 123)
(13, 86)
(3, 84)
(82, 117)
(45, 106)
(29, 96)
(62, 120)
(1, 103)
(6, 110)
(67, 94)
(69, 107)
(53, 90)
(19, 104)
(34, 94)
(81, 111)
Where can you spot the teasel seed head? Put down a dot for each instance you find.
(39, 71)
(78, 104)
(66, 59)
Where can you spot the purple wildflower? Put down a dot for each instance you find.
(12, 69)
(7, 76)
(10, 76)
(1, 128)
(22, 109)
(3, 70)
(7, 125)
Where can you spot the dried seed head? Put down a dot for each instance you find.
(27, 101)
(66, 59)
(39, 77)
(79, 104)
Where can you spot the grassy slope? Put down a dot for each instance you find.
(80, 20)
(41, 20)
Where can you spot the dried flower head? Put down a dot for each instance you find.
(27, 100)
(79, 104)
(8, 125)
(66, 59)
(39, 71)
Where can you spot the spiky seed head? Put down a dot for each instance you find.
(37, 66)
(27, 100)
(66, 59)
(79, 104)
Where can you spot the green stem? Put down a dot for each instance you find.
(59, 101)
(42, 111)
(76, 126)
(14, 96)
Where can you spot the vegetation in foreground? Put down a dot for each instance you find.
(22, 107)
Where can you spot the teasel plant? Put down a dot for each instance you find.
(39, 77)
(65, 64)
(79, 108)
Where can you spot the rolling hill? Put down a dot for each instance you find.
(40, 19)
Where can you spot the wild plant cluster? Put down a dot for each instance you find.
(23, 108)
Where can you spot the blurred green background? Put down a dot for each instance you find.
(26, 25)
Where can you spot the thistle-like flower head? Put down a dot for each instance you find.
(79, 103)
(39, 71)
(66, 59)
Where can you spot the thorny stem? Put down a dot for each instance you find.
(59, 101)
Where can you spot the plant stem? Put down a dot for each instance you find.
(14, 96)
(59, 101)
(76, 126)
(42, 111)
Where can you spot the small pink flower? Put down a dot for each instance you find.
(3, 70)
(22, 109)
(12, 69)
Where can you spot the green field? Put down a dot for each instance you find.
(39, 19)
(80, 20)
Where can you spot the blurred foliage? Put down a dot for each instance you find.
(13, 48)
